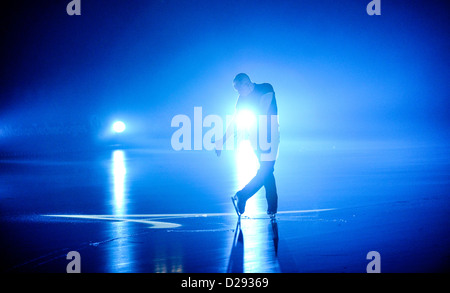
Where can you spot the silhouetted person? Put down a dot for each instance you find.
(260, 100)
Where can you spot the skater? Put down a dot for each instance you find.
(260, 99)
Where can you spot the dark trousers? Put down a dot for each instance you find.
(264, 177)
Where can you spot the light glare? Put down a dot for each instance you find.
(245, 119)
(119, 126)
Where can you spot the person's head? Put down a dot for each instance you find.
(242, 84)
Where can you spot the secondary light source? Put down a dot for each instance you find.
(118, 126)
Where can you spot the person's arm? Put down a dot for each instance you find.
(265, 102)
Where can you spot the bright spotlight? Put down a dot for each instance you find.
(119, 126)
(245, 119)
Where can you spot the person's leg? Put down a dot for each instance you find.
(264, 176)
(271, 190)
(252, 187)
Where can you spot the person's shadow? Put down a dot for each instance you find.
(273, 227)
(236, 260)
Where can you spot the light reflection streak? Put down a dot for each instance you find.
(119, 171)
(122, 258)
(120, 254)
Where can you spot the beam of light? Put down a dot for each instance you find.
(246, 161)
(119, 127)
(247, 165)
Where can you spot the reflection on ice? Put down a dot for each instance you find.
(120, 257)
(119, 171)
(255, 247)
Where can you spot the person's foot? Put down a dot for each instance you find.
(272, 214)
(240, 204)
(234, 201)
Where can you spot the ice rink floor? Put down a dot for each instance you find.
(156, 210)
